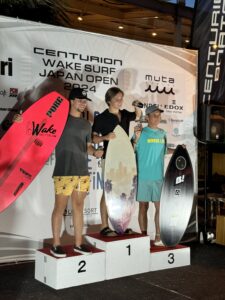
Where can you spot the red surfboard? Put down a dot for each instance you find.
(26, 146)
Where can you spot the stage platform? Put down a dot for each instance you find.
(203, 279)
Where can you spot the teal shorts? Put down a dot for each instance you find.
(149, 190)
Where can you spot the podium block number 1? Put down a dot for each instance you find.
(129, 250)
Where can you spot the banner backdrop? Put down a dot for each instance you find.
(208, 35)
(37, 58)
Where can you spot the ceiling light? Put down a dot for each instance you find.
(187, 41)
(80, 18)
(154, 34)
(120, 27)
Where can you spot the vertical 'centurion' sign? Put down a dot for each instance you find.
(209, 37)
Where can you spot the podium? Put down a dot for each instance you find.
(73, 270)
(111, 257)
(125, 255)
(162, 258)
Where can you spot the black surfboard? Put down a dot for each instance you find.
(177, 197)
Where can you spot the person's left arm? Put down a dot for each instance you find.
(167, 149)
(170, 150)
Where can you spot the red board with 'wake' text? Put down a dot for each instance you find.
(27, 145)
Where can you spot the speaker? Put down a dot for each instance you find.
(211, 123)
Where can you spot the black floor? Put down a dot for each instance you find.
(204, 279)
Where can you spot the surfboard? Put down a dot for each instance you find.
(120, 180)
(26, 146)
(177, 197)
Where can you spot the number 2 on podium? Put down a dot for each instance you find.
(82, 264)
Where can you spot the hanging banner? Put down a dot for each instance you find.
(208, 35)
(36, 59)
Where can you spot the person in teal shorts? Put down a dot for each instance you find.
(150, 148)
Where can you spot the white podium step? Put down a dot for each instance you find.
(73, 270)
(169, 257)
(125, 255)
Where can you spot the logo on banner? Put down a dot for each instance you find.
(68, 212)
(3, 93)
(13, 92)
(173, 107)
(90, 211)
(6, 67)
(160, 84)
(176, 131)
(176, 121)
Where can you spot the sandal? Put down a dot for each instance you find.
(129, 231)
(107, 232)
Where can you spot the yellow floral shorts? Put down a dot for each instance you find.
(67, 184)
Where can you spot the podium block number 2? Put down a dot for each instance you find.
(82, 265)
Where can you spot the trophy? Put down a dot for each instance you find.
(137, 103)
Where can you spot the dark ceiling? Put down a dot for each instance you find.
(146, 20)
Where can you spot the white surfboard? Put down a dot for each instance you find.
(120, 180)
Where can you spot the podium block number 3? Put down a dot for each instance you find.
(171, 258)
